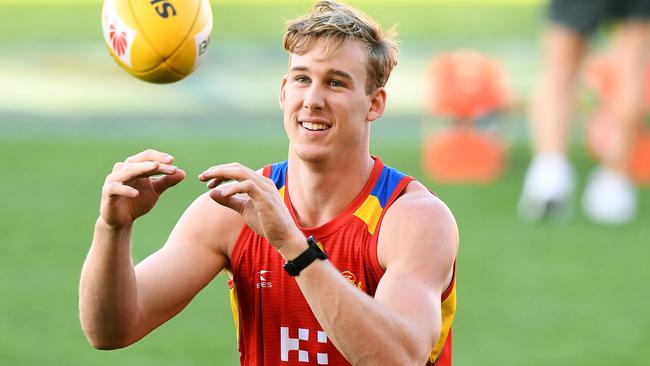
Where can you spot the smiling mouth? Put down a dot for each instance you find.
(314, 126)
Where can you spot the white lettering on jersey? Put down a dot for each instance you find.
(264, 282)
(293, 344)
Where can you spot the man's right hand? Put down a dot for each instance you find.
(134, 186)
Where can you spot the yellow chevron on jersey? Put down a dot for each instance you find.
(448, 309)
(371, 209)
(370, 212)
(234, 306)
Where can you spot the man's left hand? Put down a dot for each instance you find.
(256, 198)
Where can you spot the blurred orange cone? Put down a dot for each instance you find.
(461, 155)
(640, 163)
(465, 85)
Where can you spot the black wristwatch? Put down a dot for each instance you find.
(293, 267)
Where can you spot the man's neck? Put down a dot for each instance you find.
(320, 191)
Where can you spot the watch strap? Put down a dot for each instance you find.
(313, 252)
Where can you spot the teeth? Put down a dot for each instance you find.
(314, 126)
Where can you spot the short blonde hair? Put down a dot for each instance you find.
(334, 24)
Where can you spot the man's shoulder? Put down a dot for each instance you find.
(205, 222)
(418, 205)
(419, 199)
(420, 219)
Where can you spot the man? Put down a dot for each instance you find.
(386, 294)
(610, 196)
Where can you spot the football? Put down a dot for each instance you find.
(159, 41)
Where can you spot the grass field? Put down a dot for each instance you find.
(538, 295)
(67, 21)
(572, 294)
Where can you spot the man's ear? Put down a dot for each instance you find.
(282, 89)
(377, 104)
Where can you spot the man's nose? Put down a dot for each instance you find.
(314, 98)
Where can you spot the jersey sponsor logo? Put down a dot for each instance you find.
(352, 278)
(291, 347)
(349, 276)
(264, 281)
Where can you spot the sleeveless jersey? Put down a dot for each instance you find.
(274, 323)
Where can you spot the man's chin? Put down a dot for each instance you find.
(312, 155)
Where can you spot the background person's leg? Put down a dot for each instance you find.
(549, 181)
(610, 196)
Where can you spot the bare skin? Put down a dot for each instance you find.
(327, 116)
(552, 106)
(631, 41)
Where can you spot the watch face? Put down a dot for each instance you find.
(312, 242)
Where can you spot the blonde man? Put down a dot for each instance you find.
(334, 257)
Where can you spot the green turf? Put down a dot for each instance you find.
(536, 295)
(69, 22)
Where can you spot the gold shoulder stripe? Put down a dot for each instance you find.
(234, 307)
(448, 309)
(369, 212)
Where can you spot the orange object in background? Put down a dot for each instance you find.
(462, 155)
(600, 75)
(600, 139)
(465, 85)
(640, 163)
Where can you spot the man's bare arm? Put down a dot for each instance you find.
(120, 304)
(402, 323)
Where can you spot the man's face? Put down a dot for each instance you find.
(326, 108)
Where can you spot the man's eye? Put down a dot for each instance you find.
(336, 83)
(302, 79)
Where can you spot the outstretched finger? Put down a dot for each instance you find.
(245, 187)
(167, 181)
(150, 155)
(233, 171)
(117, 166)
(141, 170)
(212, 183)
(234, 202)
(115, 189)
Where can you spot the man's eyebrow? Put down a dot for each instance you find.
(299, 68)
(339, 73)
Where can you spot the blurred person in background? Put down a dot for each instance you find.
(610, 196)
(333, 256)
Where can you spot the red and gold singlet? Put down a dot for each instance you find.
(274, 323)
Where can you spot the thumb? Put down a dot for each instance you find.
(166, 181)
(234, 202)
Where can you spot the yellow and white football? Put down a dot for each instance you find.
(159, 41)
